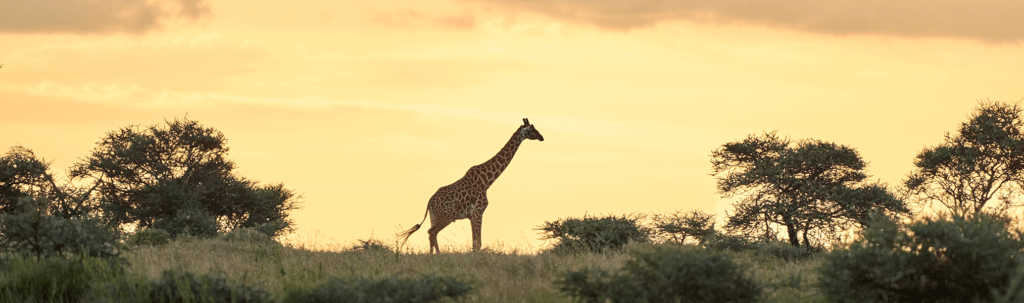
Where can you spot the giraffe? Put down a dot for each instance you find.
(467, 197)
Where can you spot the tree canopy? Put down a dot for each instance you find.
(25, 176)
(175, 176)
(809, 187)
(982, 161)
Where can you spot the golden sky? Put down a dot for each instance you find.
(367, 107)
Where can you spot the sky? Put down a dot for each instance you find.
(365, 108)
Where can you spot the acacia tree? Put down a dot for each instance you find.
(175, 176)
(981, 161)
(24, 176)
(679, 226)
(41, 218)
(805, 187)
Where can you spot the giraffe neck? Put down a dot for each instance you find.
(497, 164)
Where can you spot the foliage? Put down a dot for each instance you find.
(31, 232)
(677, 227)
(982, 160)
(188, 220)
(782, 250)
(23, 175)
(595, 234)
(425, 288)
(246, 234)
(176, 177)
(55, 279)
(178, 286)
(150, 236)
(935, 260)
(728, 242)
(664, 273)
(811, 187)
(371, 245)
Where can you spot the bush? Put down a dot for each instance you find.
(31, 232)
(150, 236)
(665, 273)
(934, 260)
(679, 226)
(189, 221)
(595, 234)
(728, 242)
(425, 288)
(371, 245)
(273, 228)
(782, 250)
(54, 279)
(246, 234)
(176, 286)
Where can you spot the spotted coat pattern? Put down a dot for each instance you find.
(467, 197)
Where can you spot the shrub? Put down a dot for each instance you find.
(33, 233)
(54, 279)
(728, 242)
(782, 250)
(246, 234)
(677, 227)
(371, 245)
(189, 221)
(665, 273)
(177, 286)
(934, 260)
(150, 236)
(273, 228)
(425, 288)
(595, 234)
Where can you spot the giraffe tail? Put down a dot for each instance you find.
(406, 234)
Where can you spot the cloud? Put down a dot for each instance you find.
(94, 16)
(991, 20)
(414, 18)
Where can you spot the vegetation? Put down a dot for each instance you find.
(157, 214)
(25, 176)
(176, 177)
(665, 273)
(678, 227)
(934, 260)
(425, 288)
(215, 268)
(595, 234)
(29, 231)
(178, 286)
(806, 187)
(980, 162)
(149, 236)
(54, 279)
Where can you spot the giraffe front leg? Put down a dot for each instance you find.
(476, 222)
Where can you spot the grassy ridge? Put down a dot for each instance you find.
(500, 275)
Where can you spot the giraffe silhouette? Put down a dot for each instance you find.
(467, 197)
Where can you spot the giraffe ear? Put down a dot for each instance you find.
(526, 121)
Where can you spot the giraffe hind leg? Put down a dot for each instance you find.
(433, 231)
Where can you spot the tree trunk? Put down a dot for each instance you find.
(807, 242)
(791, 228)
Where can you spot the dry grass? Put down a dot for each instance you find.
(784, 281)
(501, 275)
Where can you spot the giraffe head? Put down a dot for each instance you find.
(527, 131)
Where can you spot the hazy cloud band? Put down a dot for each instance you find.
(986, 20)
(93, 16)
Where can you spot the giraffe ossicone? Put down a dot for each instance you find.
(467, 197)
